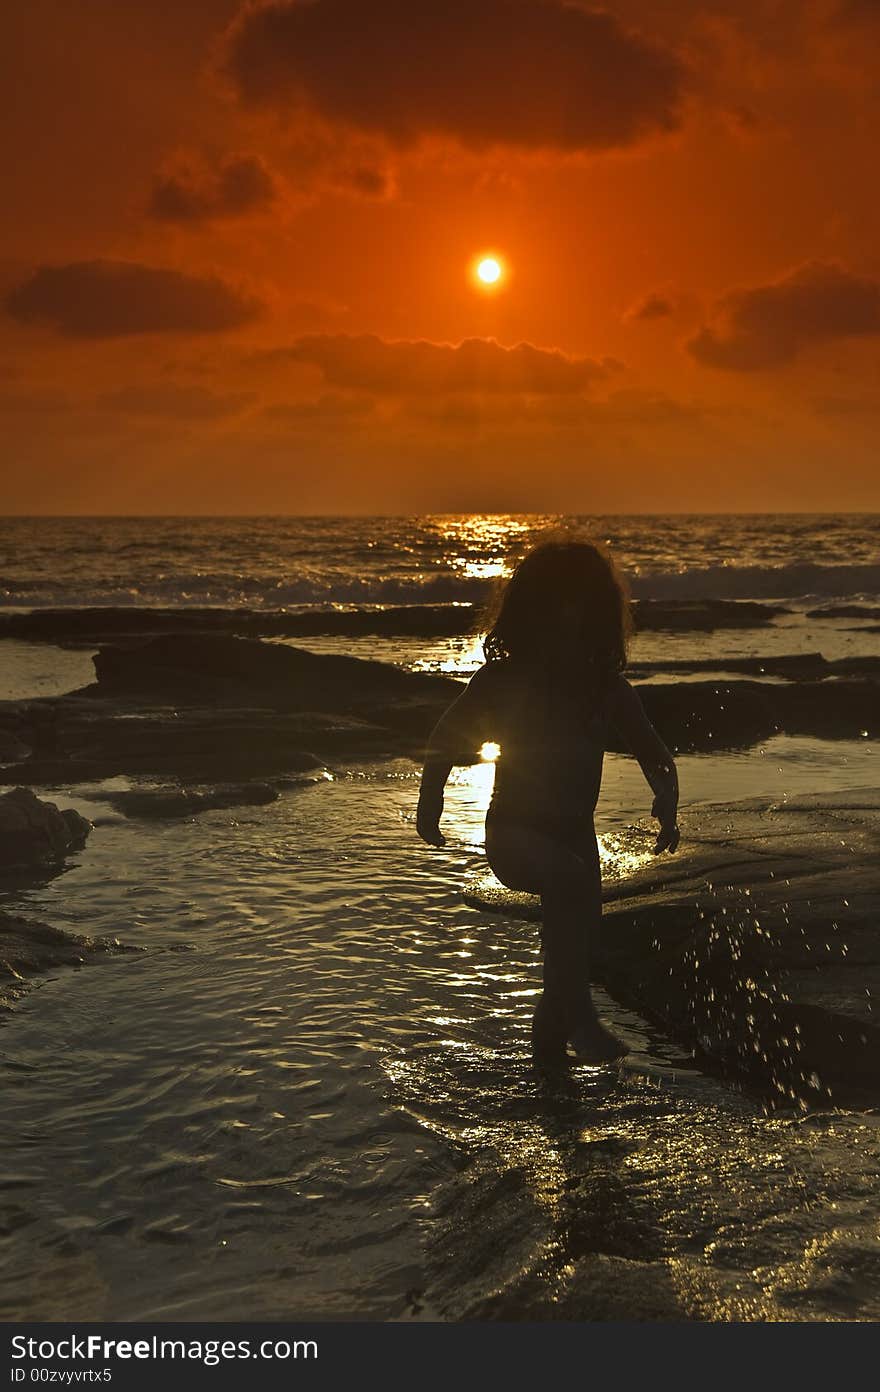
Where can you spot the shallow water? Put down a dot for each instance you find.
(271, 1112)
(32, 670)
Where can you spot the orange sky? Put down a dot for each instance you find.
(235, 258)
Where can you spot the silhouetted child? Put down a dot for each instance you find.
(548, 692)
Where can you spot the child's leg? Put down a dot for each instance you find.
(569, 884)
(571, 900)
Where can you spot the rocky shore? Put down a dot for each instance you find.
(210, 708)
(214, 708)
(29, 948)
(34, 835)
(36, 841)
(90, 626)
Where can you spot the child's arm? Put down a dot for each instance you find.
(657, 764)
(455, 739)
(430, 809)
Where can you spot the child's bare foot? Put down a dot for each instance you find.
(593, 1043)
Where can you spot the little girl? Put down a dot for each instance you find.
(549, 690)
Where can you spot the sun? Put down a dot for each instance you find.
(489, 271)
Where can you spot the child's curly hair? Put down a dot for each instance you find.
(562, 566)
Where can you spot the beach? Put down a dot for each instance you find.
(278, 1066)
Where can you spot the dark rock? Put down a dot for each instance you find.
(29, 948)
(791, 665)
(701, 716)
(839, 709)
(12, 749)
(855, 666)
(702, 615)
(86, 627)
(91, 626)
(844, 611)
(710, 715)
(35, 833)
(97, 739)
(242, 672)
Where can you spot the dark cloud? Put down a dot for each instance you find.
(366, 180)
(768, 325)
(530, 73)
(367, 363)
(316, 161)
(653, 306)
(192, 192)
(106, 299)
(174, 402)
(242, 184)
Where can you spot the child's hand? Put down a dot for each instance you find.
(665, 809)
(428, 824)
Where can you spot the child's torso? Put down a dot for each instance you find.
(552, 731)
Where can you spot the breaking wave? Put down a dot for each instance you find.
(230, 589)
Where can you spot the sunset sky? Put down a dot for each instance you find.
(238, 249)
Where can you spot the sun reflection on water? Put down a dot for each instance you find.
(478, 570)
(482, 547)
(462, 663)
(621, 853)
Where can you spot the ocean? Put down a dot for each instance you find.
(310, 1094)
(274, 562)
